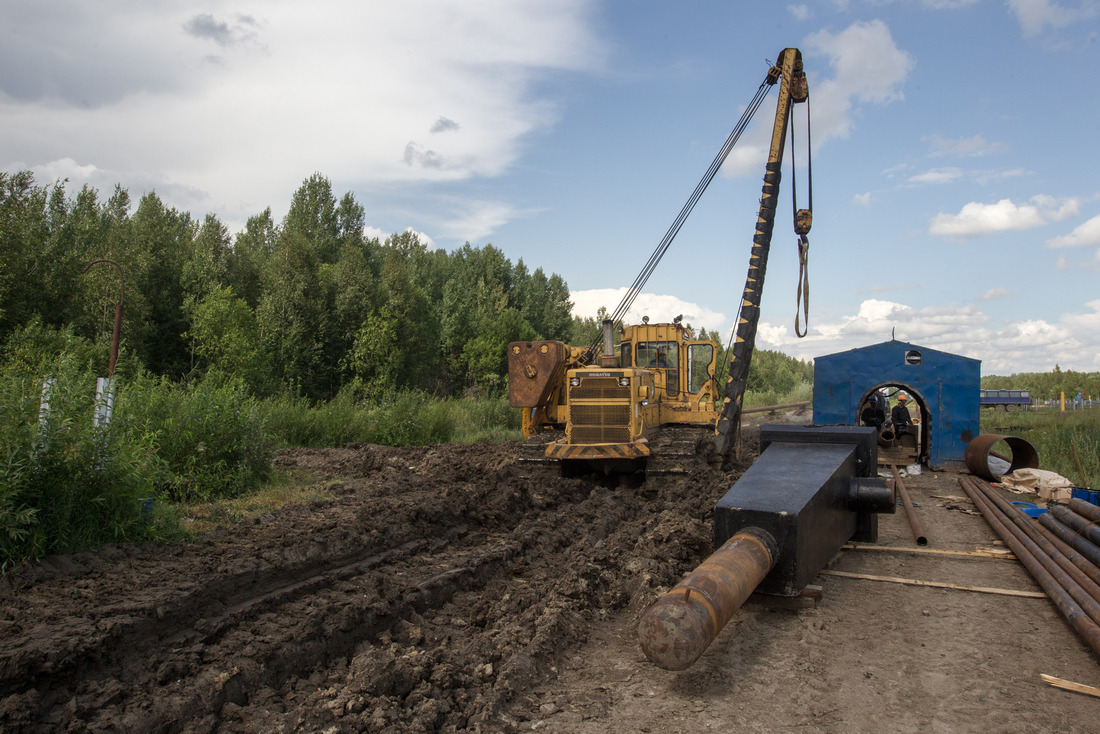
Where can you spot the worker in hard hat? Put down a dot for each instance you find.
(899, 415)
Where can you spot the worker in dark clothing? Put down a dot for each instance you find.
(900, 417)
(872, 414)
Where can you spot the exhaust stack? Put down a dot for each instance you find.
(608, 358)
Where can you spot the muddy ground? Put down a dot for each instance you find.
(459, 588)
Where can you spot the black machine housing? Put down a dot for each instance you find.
(813, 489)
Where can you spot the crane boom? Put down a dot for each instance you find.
(793, 89)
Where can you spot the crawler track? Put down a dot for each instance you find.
(437, 586)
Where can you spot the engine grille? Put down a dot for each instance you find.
(599, 423)
(599, 388)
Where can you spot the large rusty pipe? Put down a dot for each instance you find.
(1072, 539)
(980, 448)
(1088, 629)
(914, 523)
(679, 626)
(1084, 527)
(1024, 528)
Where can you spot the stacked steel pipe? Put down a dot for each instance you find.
(1068, 576)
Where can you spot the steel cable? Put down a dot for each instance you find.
(635, 288)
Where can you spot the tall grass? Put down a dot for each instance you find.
(1055, 436)
(210, 436)
(801, 392)
(409, 418)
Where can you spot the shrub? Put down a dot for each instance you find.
(210, 435)
(65, 485)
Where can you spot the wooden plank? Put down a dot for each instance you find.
(1069, 685)
(1003, 555)
(937, 584)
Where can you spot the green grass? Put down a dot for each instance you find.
(397, 419)
(1055, 436)
(282, 490)
(801, 392)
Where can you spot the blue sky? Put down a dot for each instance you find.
(955, 198)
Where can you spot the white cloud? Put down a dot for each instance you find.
(1084, 235)
(659, 308)
(975, 219)
(965, 147)
(1035, 16)
(994, 294)
(868, 68)
(799, 12)
(937, 176)
(474, 220)
(234, 107)
(375, 233)
(1031, 345)
(64, 168)
(862, 199)
(947, 4)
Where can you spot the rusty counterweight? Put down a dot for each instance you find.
(680, 626)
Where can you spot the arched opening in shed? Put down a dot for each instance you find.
(904, 447)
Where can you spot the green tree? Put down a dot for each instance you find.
(152, 252)
(313, 215)
(246, 260)
(226, 340)
(291, 318)
(205, 269)
(375, 359)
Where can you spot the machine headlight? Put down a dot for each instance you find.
(574, 381)
(645, 402)
(624, 381)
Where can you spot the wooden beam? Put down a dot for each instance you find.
(1004, 555)
(1069, 685)
(937, 584)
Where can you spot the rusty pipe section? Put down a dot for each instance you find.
(914, 522)
(1087, 591)
(1086, 510)
(1024, 455)
(679, 626)
(1084, 527)
(1067, 535)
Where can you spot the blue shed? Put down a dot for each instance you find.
(944, 386)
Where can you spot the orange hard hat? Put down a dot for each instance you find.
(901, 398)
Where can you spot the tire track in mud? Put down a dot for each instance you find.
(437, 586)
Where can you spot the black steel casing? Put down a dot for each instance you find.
(806, 490)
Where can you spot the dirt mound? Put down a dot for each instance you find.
(436, 585)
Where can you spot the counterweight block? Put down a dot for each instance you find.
(811, 491)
